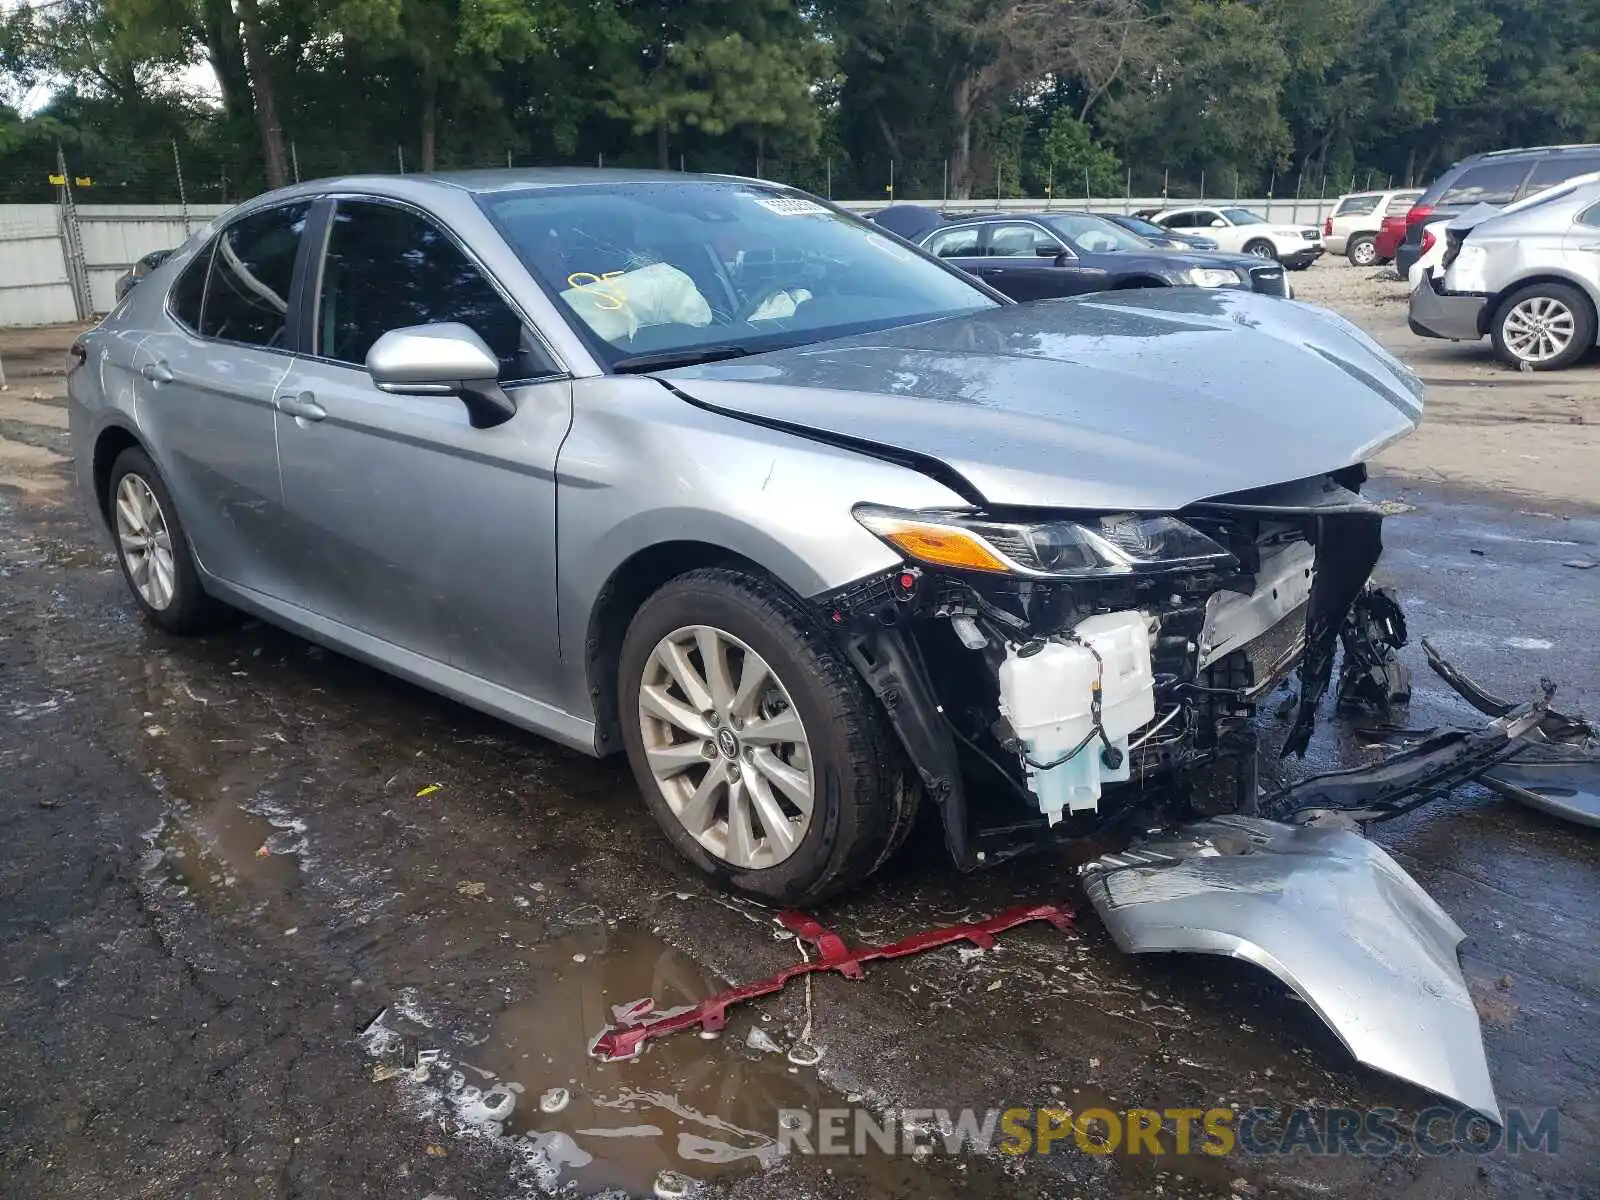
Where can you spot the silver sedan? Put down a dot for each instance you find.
(709, 472)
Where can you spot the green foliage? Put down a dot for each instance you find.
(956, 94)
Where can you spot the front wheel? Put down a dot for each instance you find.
(757, 746)
(1362, 252)
(1261, 248)
(1543, 327)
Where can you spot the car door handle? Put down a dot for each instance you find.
(304, 406)
(156, 372)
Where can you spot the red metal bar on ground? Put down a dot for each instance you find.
(627, 1039)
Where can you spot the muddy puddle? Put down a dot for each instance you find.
(689, 1110)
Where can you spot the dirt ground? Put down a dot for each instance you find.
(249, 889)
(1531, 434)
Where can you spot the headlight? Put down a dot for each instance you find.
(1090, 547)
(1211, 277)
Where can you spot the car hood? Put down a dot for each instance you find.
(1149, 399)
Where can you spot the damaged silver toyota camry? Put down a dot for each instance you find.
(813, 527)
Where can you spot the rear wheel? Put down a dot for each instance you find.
(1362, 251)
(1261, 248)
(757, 746)
(153, 549)
(1543, 327)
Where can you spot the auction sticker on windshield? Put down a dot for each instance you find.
(790, 206)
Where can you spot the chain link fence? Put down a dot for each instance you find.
(205, 173)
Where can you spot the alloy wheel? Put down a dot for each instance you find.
(726, 746)
(145, 542)
(1261, 250)
(1364, 254)
(1538, 329)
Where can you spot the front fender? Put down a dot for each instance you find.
(642, 468)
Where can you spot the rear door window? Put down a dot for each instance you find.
(1357, 206)
(1485, 183)
(1019, 240)
(189, 290)
(252, 270)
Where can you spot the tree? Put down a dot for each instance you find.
(749, 68)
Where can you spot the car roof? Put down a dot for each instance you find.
(1532, 151)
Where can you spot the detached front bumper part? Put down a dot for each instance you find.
(1327, 912)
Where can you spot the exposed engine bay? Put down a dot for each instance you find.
(1057, 676)
(1115, 652)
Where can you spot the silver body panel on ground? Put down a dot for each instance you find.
(1389, 986)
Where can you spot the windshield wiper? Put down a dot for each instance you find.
(688, 356)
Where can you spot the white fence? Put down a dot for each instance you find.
(36, 276)
(1285, 211)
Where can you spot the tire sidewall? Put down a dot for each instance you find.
(189, 604)
(1356, 244)
(1583, 335)
(698, 602)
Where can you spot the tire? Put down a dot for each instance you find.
(860, 805)
(1261, 248)
(1362, 251)
(136, 493)
(1561, 311)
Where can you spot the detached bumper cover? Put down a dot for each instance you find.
(1327, 912)
(1434, 314)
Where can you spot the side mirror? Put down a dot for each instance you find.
(445, 359)
(1218, 223)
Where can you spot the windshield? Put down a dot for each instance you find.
(701, 266)
(1094, 235)
(1243, 216)
(1143, 228)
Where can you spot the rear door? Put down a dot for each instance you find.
(207, 378)
(413, 527)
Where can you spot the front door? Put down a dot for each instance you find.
(415, 528)
(206, 380)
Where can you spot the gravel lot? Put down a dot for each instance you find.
(1530, 434)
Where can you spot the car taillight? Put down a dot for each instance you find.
(1428, 240)
(1419, 212)
(1327, 227)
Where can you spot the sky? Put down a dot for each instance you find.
(199, 77)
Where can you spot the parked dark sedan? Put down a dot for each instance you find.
(1160, 235)
(1038, 256)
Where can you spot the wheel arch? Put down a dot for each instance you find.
(635, 580)
(109, 444)
(1491, 310)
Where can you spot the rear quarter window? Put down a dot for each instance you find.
(1485, 183)
(189, 290)
(1356, 206)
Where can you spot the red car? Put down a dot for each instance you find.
(1390, 234)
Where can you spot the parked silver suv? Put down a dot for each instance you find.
(1529, 279)
(808, 523)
